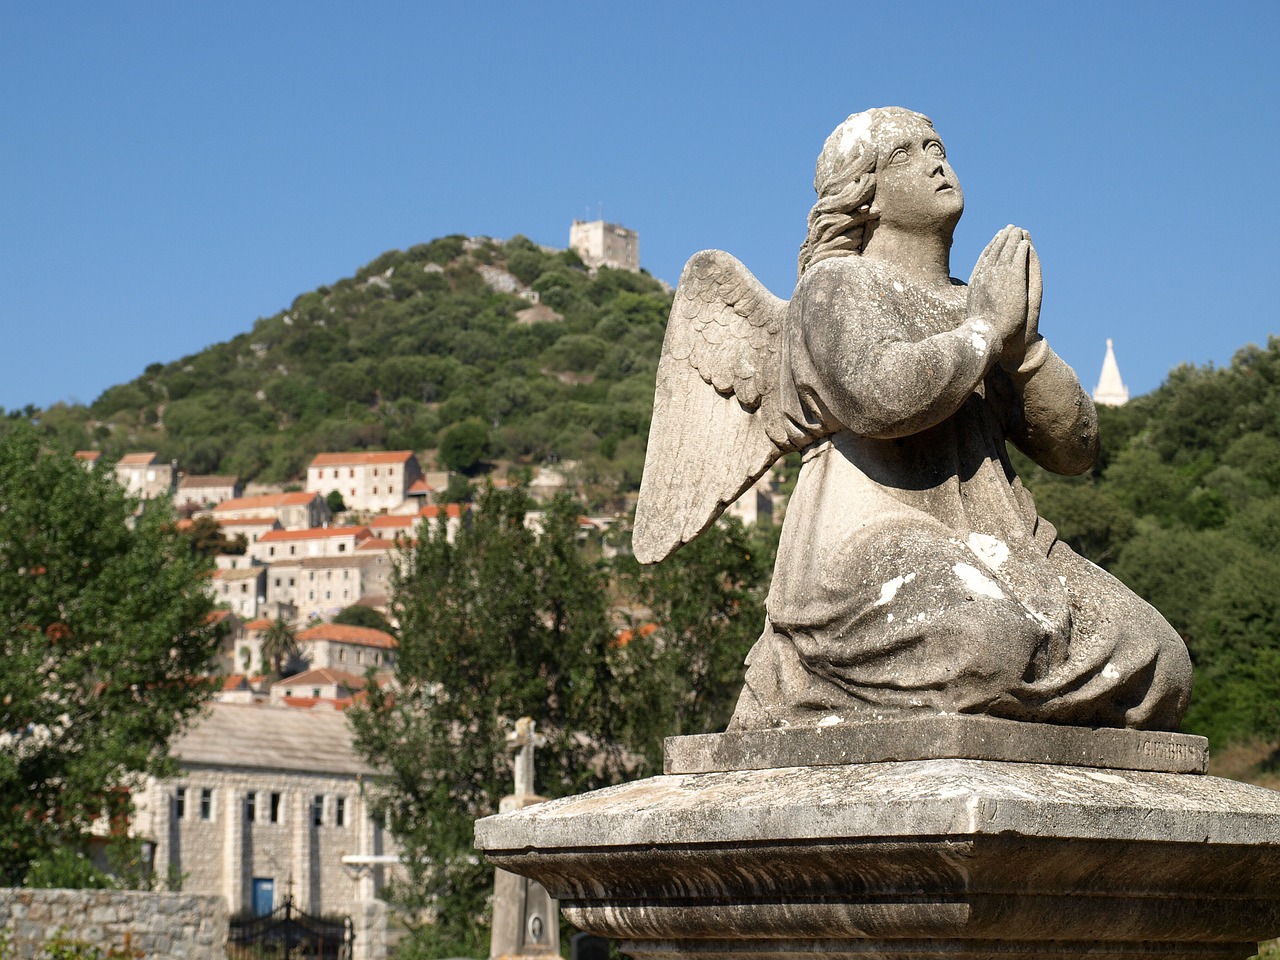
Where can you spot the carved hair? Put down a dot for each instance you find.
(845, 181)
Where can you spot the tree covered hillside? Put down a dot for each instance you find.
(1184, 506)
(417, 344)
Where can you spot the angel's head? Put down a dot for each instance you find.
(863, 147)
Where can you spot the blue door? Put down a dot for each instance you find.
(264, 896)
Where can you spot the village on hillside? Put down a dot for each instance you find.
(270, 803)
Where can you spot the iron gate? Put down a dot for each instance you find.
(289, 934)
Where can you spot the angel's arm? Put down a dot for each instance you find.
(1047, 414)
(854, 360)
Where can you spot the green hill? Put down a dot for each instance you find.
(1185, 508)
(414, 345)
(419, 348)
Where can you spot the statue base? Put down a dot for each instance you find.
(927, 857)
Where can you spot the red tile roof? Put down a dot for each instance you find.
(88, 455)
(247, 522)
(342, 633)
(137, 459)
(452, 510)
(260, 624)
(383, 543)
(266, 501)
(316, 533)
(406, 521)
(360, 458)
(321, 676)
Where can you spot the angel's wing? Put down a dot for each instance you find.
(717, 426)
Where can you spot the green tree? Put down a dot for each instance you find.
(706, 603)
(103, 625)
(464, 445)
(279, 645)
(498, 625)
(335, 502)
(358, 616)
(208, 538)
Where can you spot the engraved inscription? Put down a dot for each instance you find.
(1169, 750)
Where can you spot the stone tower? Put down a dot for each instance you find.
(1110, 391)
(601, 244)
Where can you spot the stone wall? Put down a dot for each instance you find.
(181, 926)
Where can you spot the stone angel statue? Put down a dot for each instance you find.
(913, 571)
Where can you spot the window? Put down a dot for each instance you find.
(180, 803)
(375, 473)
(342, 547)
(271, 551)
(351, 473)
(206, 803)
(277, 582)
(340, 812)
(275, 808)
(250, 806)
(317, 810)
(311, 594)
(342, 654)
(335, 473)
(328, 594)
(311, 575)
(291, 581)
(315, 691)
(292, 549)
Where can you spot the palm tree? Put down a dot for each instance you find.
(279, 645)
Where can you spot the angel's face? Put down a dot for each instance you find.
(916, 189)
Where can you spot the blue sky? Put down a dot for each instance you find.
(169, 172)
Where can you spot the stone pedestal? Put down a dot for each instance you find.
(935, 856)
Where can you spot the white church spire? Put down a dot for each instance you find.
(1110, 391)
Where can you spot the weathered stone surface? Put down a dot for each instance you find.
(924, 858)
(934, 737)
(153, 925)
(913, 572)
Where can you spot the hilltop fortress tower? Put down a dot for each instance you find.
(601, 244)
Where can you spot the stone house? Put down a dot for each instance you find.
(341, 647)
(327, 585)
(143, 476)
(372, 481)
(251, 528)
(88, 458)
(269, 801)
(206, 491)
(277, 545)
(240, 590)
(336, 687)
(292, 511)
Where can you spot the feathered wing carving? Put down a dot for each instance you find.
(717, 425)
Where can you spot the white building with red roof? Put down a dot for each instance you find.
(144, 476)
(277, 545)
(310, 687)
(292, 511)
(340, 647)
(206, 491)
(372, 480)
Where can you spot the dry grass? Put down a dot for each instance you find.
(1252, 762)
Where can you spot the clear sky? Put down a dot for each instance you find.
(169, 172)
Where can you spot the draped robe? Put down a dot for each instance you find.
(913, 572)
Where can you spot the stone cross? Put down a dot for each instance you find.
(526, 920)
(524, 741)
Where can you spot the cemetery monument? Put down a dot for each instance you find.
(956, 737)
